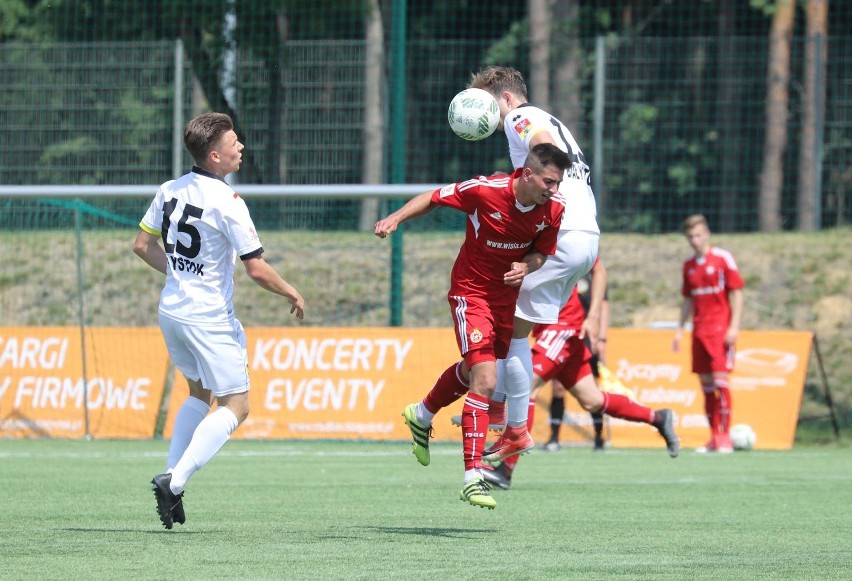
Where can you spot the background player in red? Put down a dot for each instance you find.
(592, 293)
(511, 229)
(713, 297)
(559, 352)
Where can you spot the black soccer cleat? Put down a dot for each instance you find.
(497, 477)
(169, 504)
(664, 422)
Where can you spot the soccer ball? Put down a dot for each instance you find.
(743, 437)
(473, 114)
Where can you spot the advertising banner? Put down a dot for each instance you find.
(43, 383)
(766, 388)
(353, 383)
(340, 383)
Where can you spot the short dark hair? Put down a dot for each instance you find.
(203, 133)
(496, 79)
(547, 154)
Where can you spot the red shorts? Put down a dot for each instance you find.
(483, 331)
(569, 364)
(710, 354)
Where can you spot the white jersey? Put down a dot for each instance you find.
(520, 125)
(205, 226)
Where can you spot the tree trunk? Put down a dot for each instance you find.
(374, 127)
(540, 15)
(775, 134)
(812, 115)
(566, 67)
(727, 114)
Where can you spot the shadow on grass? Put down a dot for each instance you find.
(134, 531)
(434, 532)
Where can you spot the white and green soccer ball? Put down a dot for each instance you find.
(473, 114)
(743, 437)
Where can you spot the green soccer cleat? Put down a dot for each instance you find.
(420, 435)
(476, 492)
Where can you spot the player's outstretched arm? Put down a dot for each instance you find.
(417, 206)
(267, 277)
(147, 247)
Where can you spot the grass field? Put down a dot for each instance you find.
(330, 510)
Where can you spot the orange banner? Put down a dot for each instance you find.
(766, 388)
(343, 383)
(353, 383)
(45, 393)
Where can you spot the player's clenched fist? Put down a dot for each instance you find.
(385, 227)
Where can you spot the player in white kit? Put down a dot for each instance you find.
(545, 291)
(204, 225)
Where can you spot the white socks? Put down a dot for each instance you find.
(187, 419)
(517, 382)
(423, 416)
(210, 435)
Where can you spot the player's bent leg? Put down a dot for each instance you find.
(420, 434)
(209, 437)
(515, 440)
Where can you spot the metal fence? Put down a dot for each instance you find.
(668, 129)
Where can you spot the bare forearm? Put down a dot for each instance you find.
(147, 248)
(268, 278)
(417, 206)
(534, 261)
(685, 313)
(736, 298)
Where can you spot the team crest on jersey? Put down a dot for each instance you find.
(523, 127)
(710, 269)
(475, 336)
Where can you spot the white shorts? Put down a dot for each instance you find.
(545, 292)
(215, 355)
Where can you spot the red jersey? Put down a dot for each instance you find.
(499, 232)
(708, 280)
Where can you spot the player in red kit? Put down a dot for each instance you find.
(544, 292)
(512, 227)
(560, 353)
(713, 297)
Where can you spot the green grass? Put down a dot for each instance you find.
(329, 510)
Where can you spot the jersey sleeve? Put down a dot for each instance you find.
(521, 126)
(685, 287)
(239, 228)
(733, 279)
(451, 196)
(152, 221)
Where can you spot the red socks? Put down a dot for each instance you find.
(621, 406)
(474, 429)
